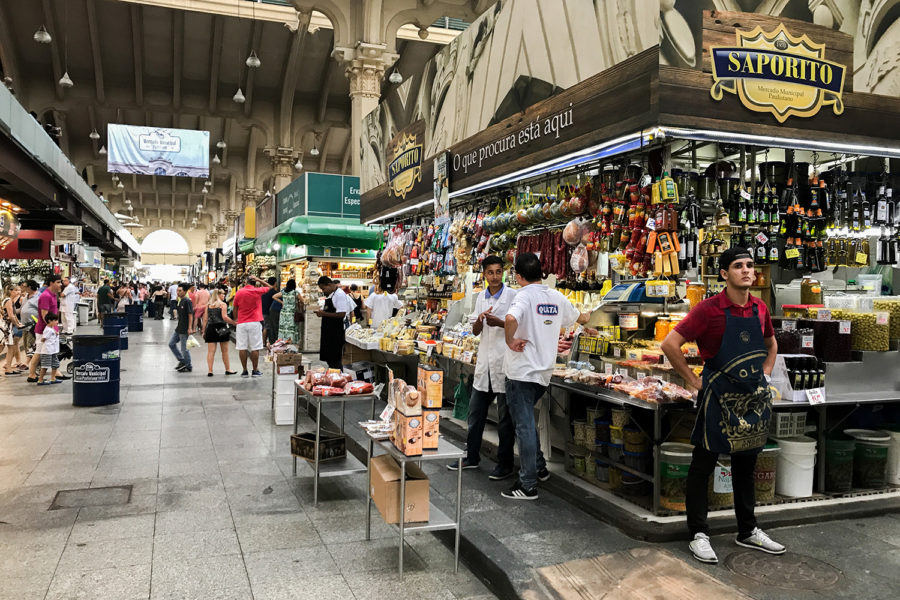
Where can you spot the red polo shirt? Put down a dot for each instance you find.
(705, 324)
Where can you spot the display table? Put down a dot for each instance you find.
(331, 468)
(437, 519)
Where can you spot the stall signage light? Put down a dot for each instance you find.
(777, 73)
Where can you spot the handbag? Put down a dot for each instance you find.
(220, 330)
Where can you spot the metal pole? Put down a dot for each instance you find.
(296, 419)
(402, 511)
(459, 470)
(368, 490)
(316, 455)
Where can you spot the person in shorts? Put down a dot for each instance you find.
(50, 350)
(247, 307)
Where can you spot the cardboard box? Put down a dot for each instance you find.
(408, 434)
(331, 446)
(385, 490)
(431, 421)
(288, 363)
(430, 383)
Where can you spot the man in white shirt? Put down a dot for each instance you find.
(173, 300)
(532, 330)
(337, 306)
(70, 296)
(380, 306)
(487, 321)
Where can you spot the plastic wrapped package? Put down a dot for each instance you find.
(579, 260)
(788, 341)
(890, 304)
(843, 302)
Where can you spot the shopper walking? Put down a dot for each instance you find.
(734, 334)
(29, 316)
(200, 300)
(531, 329)
(125, 297)
(69, 301)
(270, 320)
(488, 321)
(215, 330)
(287, 325)
(337, 307)
(247, 306)
(380, 306)
(9, 323)
(160, 299)
(173, 300)
(105, 300)
(185, 327)
(50, 351)
(47, 304)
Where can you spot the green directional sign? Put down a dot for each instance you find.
(319, 194)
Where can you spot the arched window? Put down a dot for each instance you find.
(164, 241)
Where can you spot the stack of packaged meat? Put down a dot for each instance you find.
(334, 383)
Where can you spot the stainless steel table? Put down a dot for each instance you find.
(437, 520)
(332, 468)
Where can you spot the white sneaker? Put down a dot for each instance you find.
(758, 540)
(702, 549)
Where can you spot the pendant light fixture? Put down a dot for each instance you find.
(102, 151)
(216, 159)
(395, 77)
(65, 81)
(253, 60)
(298, 165)
(120, 186)
(221, 144)
(239, 96)
(204, 191)
(41, 36)
(94, 135)
(314, 151)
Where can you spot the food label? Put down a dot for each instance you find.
(628, 321)
(622, 372)
(789, 325)
(641, 375)
(722, 481)
(844, 327)
(806, 341)
(815, 396)
(693, 351)
(746, 195)
(862, 258)
(617, 351)
(387, 413)
(882, 318)
(608, 368)
(761, 238)
(791, 253)
(823, 315)
(466, 357)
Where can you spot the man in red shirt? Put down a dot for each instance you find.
(247, 305)
(48, 302)
(734, 334)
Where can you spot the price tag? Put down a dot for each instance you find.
(843, 327)
(622, 372)
(651, 224)
(617, 351)
(746, 195)
(693, 351)
(396, 347)
(882, 318)
(824, 314)
(387, 413)
(761, 238)
(429, 350)
(806, 341)
(815, 396)
(789, 325)
(641, 375)
(466, 357)
(791, 253)
(414, 261)
(608, 368)
(862, 258)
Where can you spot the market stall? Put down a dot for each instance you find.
(628, 217)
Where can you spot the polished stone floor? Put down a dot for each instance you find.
(214, 510)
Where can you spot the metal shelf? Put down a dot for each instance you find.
(340, 466)
(437, 521)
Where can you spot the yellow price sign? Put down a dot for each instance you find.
(862, 258)
(791, 253)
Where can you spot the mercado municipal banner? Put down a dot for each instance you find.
(157, 151)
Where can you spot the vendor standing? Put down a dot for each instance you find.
(734, 334)
(337, 306)
(381, 305)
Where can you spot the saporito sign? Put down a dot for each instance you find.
(778, 73)
(405, 167)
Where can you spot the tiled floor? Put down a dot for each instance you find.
(214, 511)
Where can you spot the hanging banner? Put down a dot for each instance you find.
(157, 151)
(778, 73)
(405, 160)
(441, 189)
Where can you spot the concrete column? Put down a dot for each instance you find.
(283, 160)
(250, 197)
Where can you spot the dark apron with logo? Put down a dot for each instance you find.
(735, 401)
(331, 346)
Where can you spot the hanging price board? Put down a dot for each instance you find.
(761, 238)
(791, 253)
(806, 341)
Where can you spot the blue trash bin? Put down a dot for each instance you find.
(95, 376)
(135, 314)
(117, 324)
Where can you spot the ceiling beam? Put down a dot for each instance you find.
(137, 44)
(94, 31)
(215, 61)
(346, 159)
(323, 150)
(331, 68)
(289, 80)
(59, 42)
(8, 54)
(177, 56)
(255, 39)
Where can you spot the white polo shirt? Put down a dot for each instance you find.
(382, 306)
(541, 313)
(489, 373)
(342, 302)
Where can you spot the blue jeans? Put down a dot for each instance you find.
(478, 410)
(521, 397)
(183, 356)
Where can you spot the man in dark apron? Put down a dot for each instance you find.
(337, 306)
(734, 334)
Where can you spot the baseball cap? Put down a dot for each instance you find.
(732, 254)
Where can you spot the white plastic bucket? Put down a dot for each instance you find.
(893, 468)
(795, 467)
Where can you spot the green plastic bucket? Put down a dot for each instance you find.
(839, 450)
(870, 457)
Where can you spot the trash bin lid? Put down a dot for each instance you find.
(95, 340)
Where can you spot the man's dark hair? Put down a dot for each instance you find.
(31, 283)
(271, 280)
(528, 265)
(53, 279)
(106, 282)
(324, 280)
(51, 316)
(491, 260)
(184, 285)
(353, 287)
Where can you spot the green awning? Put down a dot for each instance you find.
(245, 245)
(328, 232)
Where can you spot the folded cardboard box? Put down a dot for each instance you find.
(288, 363)
(385, 490)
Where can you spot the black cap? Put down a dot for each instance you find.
(732, 254)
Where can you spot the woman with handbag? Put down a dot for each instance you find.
(215, 330)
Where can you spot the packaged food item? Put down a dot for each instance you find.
(325, 390)
(430, 385)
(869, 331)
(431, 420)
(406, 398)
(338, 380)
(358, 387)
(891, 305)
(407, 436)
